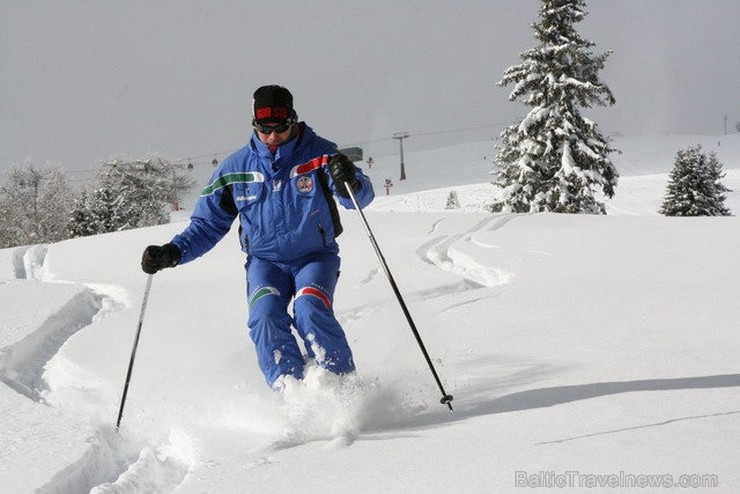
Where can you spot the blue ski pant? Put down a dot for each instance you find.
(310, 283)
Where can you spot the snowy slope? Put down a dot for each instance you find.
(579, 349)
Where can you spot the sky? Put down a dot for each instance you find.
(83, 81)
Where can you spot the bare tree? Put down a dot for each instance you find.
(34, 205)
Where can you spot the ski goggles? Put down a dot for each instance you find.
(273, 127)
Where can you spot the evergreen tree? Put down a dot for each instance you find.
(694, 187)
(555, 159)
(81, 222)
(129, 194)
(452, 201)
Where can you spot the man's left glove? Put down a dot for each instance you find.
(156, 258)
(342, 170)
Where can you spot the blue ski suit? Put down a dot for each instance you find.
(288, 224)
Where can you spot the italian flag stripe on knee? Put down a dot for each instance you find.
(309, 290)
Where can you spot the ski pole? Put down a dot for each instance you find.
(133, 350)
(446, 398)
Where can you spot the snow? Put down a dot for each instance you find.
(581, 350)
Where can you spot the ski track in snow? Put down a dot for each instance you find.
(443, 251)
(22, 363)
(112, 463)
(370, 276)
(447, 253)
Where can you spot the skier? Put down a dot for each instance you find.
(281, 185)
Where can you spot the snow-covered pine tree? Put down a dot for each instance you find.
(129, 194)
(452, 201)
(555, 159)
(694, 187)
(82, 219)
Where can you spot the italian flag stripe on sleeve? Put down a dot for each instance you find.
(310, 166)
(232, 178)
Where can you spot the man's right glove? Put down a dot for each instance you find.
(156, 258)
(342, 170)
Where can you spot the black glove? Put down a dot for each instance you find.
(342, 170)
(156, 258)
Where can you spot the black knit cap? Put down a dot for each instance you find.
(273, 104)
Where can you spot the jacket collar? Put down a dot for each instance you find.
(285, 149)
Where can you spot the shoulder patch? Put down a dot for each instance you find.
(304, 184)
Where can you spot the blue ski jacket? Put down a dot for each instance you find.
(284, 201)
